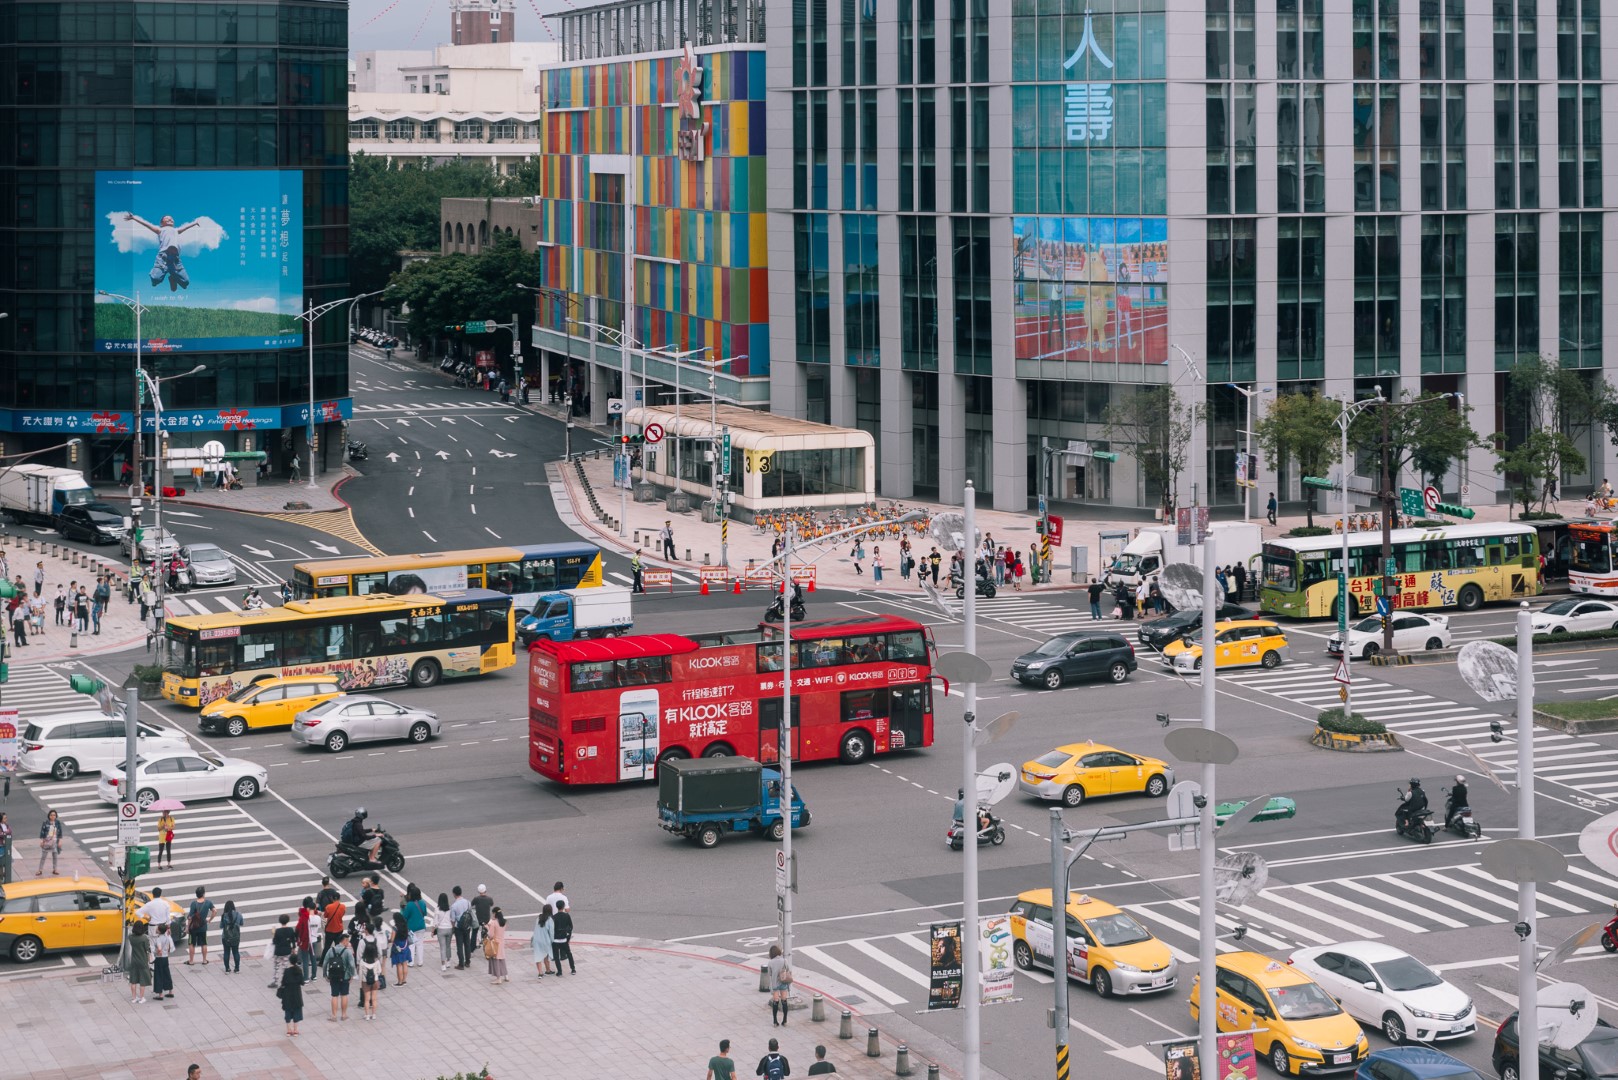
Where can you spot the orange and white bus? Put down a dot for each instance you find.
(1593, 565)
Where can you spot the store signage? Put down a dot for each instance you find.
(1089, 104)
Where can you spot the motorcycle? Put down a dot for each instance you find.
(1459, 820)
(1609, 933)
(356, 858)
(994, 832)
(357, 451)
(774, 613)
(1420, 828)
(986, 587)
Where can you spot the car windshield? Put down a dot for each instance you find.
(1373, 625)
(325, 707)
(243, 693)
(1053, 760)
(212, 759)
(1056, 646)
(1117, 929)
(1406, 973)
(1305, 1001)
(1562, 607)
(207, 553)
(1601, 1057)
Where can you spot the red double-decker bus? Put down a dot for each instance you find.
(606, 711)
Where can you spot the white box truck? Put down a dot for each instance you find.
(578, 613)
(37, 493)
(1157, 546)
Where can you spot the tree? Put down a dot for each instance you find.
(1545, 401)
(1155, 428)
(454, 288)
(1302, 429)
(1426, 434)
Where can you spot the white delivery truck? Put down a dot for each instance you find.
(1157, 546)
(37, 493)
(577, 613)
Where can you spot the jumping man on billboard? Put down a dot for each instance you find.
(168, 250)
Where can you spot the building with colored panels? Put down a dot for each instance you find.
(651, 207)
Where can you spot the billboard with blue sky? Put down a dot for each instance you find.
(216, 257)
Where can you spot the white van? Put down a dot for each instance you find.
(69, 743)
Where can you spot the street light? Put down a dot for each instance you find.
(784, 752)
(1247, 463)
(138, 492)
(569, 303)
(720, 480)
(157, 488)
(1345, 417)
(309, 315)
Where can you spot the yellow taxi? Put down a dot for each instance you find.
(57, 914)
(1105, 946)
(1295, 1023)
(269, 703)
(1081, 771)
(1237, 643)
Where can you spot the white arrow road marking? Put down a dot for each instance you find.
(402, 423)
(442, 455)
(446, 420)
(429, 536)
(509, 419)
(500, 453)
(394, 458)
(325, 547)
(260, 552)
(180, 513)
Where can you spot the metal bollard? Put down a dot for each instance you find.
(687, 554)
(901, 1061)
(932, 1072)
(73, 641)
(873, 1043)
(845, 1030)
(817, 1009)
(764, 978)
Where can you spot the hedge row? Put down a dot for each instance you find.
(1578, 635)
(1334, 721)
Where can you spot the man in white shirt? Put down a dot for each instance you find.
(155, 911)
(558, 894)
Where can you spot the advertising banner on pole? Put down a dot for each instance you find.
(9, 747)
(944, 969)
(994, 958)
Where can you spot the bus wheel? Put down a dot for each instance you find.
(425, 673)
(719, 749)
(1470, 598)
(856, 747)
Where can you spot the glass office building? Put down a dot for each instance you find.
(192, 160)
(993, 223)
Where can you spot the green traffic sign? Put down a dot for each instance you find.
(1390, 567)
(479, 327)
(1342, 603)
(1411, 503)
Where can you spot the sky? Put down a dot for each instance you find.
(421, 24)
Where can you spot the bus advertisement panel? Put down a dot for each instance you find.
(367, 641)
(1459, 566)
(523, 572)
(607, 710)
(1590, 564)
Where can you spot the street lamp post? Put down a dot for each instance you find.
(1386, 495)
(157, 498)
(1247, 465)
(1345, 417)
(137, 495)
(309, 315)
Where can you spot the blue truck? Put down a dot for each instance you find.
(701, 799)
(600, 611)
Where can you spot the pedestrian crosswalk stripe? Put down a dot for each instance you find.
(1360, 909)
(1315, 913)
(1451, 903)
(891, 964)
(849, 975)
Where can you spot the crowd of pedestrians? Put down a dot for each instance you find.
(352, 952)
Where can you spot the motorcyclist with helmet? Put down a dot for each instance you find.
(1414, 805)
(1458, 800)
(357, 835)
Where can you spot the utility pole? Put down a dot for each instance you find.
(1388, 584)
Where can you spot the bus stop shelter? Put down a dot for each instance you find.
(776, 462)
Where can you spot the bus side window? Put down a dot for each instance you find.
(907, 645)
(395, 634)
(863, 705)
(769, 656)
(592, 675)
(261, 648)
(366, 584)
(1509, 547)
(493, 624)
(427, 629)
(1314, 570)
(332, 642)
(540, 575)
(461, 628)
(216, 657)
(367, 641)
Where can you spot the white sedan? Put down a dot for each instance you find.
(1570, 615)
(1412, 632)
(1389, 989)
(187, 776)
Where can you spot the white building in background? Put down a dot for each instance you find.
(454, 102)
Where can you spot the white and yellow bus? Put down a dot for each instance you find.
(1448, 566)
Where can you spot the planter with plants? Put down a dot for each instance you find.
(1353, 733)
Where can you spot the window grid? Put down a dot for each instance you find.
(1443, 294)
(1579, 302)
(1376, 296)
(1301, 298)
(918, 313)
(1516, 288)
(1232, 298)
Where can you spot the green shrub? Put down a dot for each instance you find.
(1577, 635)
(150, 676)
(1333, 720)
(1425, 523)
(1538, 515)
(1310, 530)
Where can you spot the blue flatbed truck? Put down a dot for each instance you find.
(701, 799)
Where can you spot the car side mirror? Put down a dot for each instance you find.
(1370, 985)
(1261, 1011)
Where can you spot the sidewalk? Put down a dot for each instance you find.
(638, 1009)
(120, 624)
(275, 495)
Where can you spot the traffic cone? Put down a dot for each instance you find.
(704, 580)
(738, 583)
(811, 584)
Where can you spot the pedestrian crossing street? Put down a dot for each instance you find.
(429, 407)
(1581, 764)
(892, 969)
(215, 603)
(217, 844)
(1018, 609)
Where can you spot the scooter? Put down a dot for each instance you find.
(1459, 820)
(357, 451)
(992, 833)
(774, 612)
(986, 587)
(1609, 933)
(1420, 829)
(354, 858)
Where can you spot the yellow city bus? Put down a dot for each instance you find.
(368, 641)
(522, 571)
(1460, 566)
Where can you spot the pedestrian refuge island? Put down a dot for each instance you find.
(777, 463)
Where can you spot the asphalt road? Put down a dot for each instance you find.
(874, 869)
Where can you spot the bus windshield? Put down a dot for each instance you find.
(1592, 553)
(1281, 571)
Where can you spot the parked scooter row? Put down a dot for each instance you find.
(373, 337)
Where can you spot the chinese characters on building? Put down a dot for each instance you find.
(1088, 116)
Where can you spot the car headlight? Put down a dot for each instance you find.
(1424, 1015)
(1305, 1044)
(1362, 1041)
(1127, 967)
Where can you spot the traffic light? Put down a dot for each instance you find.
(455, 328)
(7, 590)
(84, 684)
(1451, 510)
(74, 446)
(1318, 482)
(1039, 526)
(137, 861)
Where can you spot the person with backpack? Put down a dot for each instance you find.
(372, 901)
(370, 977)
(290, 991)
(562, 939)
(460, 915)
(780, 979)
(773, 1066)
(230, 937)
(338, 968)
(197, 918)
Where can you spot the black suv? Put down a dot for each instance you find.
(1067, 657)
(1160, 633)
(97, 523)
(1596, 1058)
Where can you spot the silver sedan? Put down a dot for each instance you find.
(361, 718)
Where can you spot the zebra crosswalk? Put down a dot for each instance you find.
(892, 969)
(1580, 764)
(1037, 615)
(430, 407)
(37, 690)
(218, 844)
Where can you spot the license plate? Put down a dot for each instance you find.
(1341, 1059)
(1159, 981)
